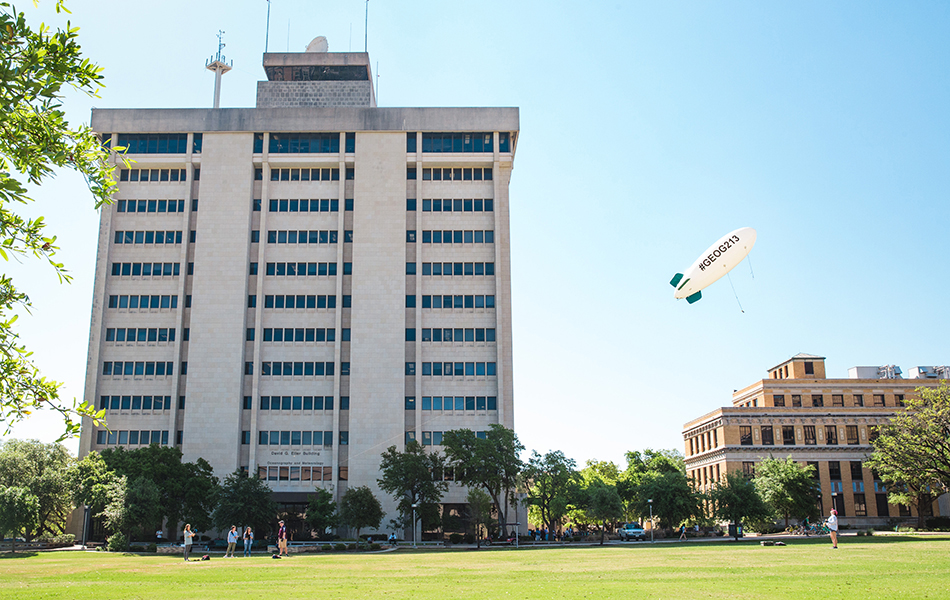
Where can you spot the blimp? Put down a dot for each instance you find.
(716, 261)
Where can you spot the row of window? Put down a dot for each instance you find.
(305, 205)
(141, 334)
(155, 143)
(299, 334)
(149, 368)
(454, 237)
(808, 434)
(299, 369)
(298, 403)
(117, 301)
(131, 438)
(482, 141)
(143, 175)
(150, 206)
(298, 474)
(449, 302)
(453, 205)
(453, 269)
(307, 237)
(454, 403)
(146, 269)
(453, 335)
(818, 400)
(300, 438)
(302, 269)
(306, 174)
(451, 174)
(148, 237)
(305, 143)
(298, 301)
(138, 402)
(411, 435)
(448, 369)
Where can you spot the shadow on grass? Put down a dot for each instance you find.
(790, 541)
(21, 554)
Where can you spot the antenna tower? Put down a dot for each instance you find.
(220, 66)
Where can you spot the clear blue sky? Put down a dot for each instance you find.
(648, 130)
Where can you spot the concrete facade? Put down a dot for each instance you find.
(324, 328)
(797, 412)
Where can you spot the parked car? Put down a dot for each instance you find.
(632, 531)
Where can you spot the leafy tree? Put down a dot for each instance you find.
(654, 461)
(142, 507)
(674, 499)
(19, 511)
(359, 509)
(35, 64)
(912, 452)
(187, 491)
(788, 487)
(550, 480)
(736, 499)
(479, 512)
(244, 501)
(492, 463)
(408, 478)
(44, 470)
(604, 505)
(321, 512)
(115, 512)
(89, 480)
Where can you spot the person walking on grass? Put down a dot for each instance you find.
(189, 536)
(683, 533)
(248, 541)
(832, 524)
(282, 540)
(232, 542)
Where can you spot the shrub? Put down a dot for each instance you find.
(118, 543)
(339, 547)
(326, 547)
(375, 546)
(938, 523)
(351, 547)
(469, 538)
(151, 548)
(869, 532)
(456, 538)
(860, 533)
(66, 539)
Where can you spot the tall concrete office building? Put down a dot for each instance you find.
(291, 289)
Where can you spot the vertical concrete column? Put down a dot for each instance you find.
(338, 319)
(420, 257)
(219, 308)
(377, 352)
(174, 424)
(500, 177)
(259, 310)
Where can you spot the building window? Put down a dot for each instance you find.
(457, 142)
(788, 435)
(810, 439)
(745, 435)
(155, 143)
(879, 400)
(834, 470)
(767, 437)
(817, 400)
(778, 400)
(899, 399)
(411, 142)
(410, 204)
(748, 468)
(852, 431)
(860, 507)
(859, 399)
(411, 173)
(304, 143)
(796, 400)
(831, 435)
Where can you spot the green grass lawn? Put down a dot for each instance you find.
(861, 569)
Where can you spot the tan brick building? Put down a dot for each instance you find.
(798, 412)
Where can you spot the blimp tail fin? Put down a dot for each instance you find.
(694, 297)
(676, 279)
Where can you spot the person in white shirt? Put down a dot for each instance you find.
(232, 542)
(189, 535)
(832, 523)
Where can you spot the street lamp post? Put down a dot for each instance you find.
(650, 502)
(414, 507)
